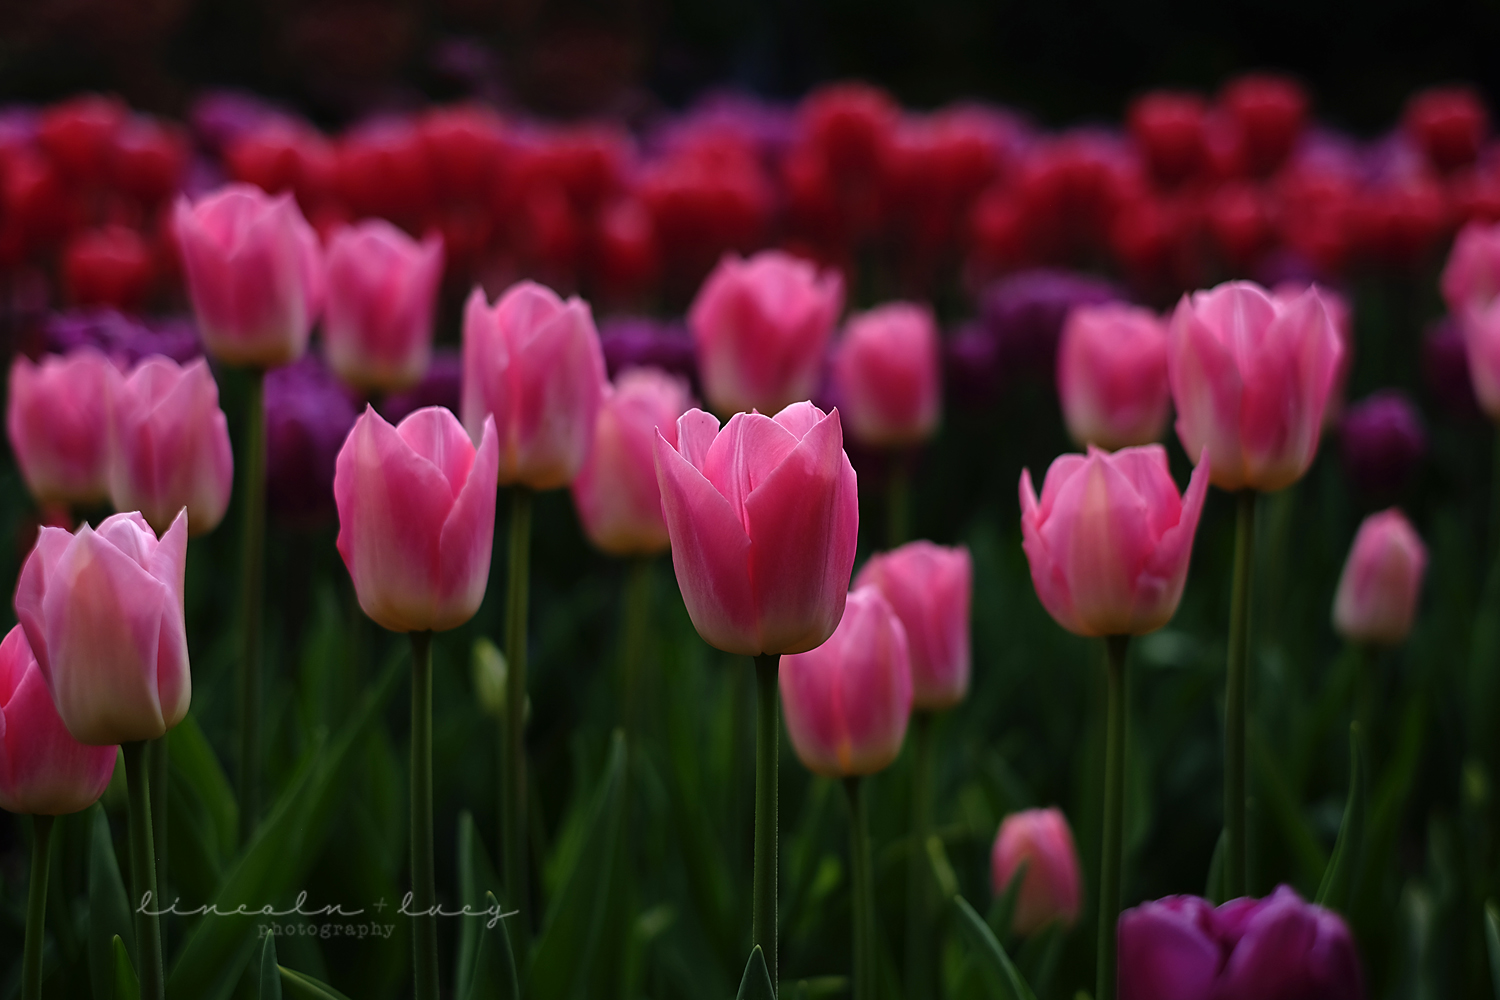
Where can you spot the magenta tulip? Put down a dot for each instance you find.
(1112, 375)
(103, 612)
(1251, 373)
(763, 516)
(886, 375)
(254, 273)
(57, 418)
(847, 702)
(417, 518)
(1109, 540)
(532, 361)
(761, 326)
(1376, 600)
(382, 292)
(43, 770)
(1471, 278)
(929, 587)
(616, 494)
(1051, 888)
(171, 444)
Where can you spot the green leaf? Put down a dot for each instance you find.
(1214, 890)
(109, 907)
(1492, 943)
(1003, 910)
(942, 871)
(755, 984)
(476, 876)
(494, 965)
(1336, 891)
(194, 761)
(978, 932)
(270, 976)
(300, 987)
(126, 986)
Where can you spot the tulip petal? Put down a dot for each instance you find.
(749, 448)
(696, 431)
(31, 588)
(468, 535)
(1207, 388)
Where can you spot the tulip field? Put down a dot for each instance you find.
(808, 550)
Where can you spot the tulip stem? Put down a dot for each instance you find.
(1114, 810)
(143, 872)
(898, 499)
(513, 778)
(767, 736)
(633, 636)
(36, 907)
(862, 883)
(157, 753)
(252, 558)
(918, 968)
(423, 879)
(1235, 698)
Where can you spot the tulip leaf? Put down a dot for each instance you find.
(300, 987)
(942, 871)
(1013, 986)
(1492, 943)
(1213, 891)
(270, 974)
(109, 906)
(494, 966)
(1336, 891)
(126, 985)
(485, 967)
(1003, 910)
(755, 984)
(195, 762)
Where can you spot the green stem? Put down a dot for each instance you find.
(862, 882)
(1495, 507)
(1114, 809)
(143, 872)
(634, 632)
(1234, 696)
(252, 557)
(423, 879)
(767, 737)
(156, 754)
(898, 499)
(918, 965)
(36, 908)
(513, 777)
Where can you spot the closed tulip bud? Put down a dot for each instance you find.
(886, 375)
(1112, 375)
(1471, 277)
(1109, 539)
(929, 587)
(416, 509)
(1050, 889)
(618, 499)
(171, 445)
(489, 670)
(1251, 373)
(532, 361)
(103, 612)
(1025, 313)
(308, 417)
(1481, 330)
(847, 702)
(43, 770)
(254, 274)
(382, 290)
(1376, 601)
(763, 516)
(57, 418)
(761, 326)
(1383, 443)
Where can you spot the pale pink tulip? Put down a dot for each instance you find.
(886, 375)
(1376, 601)
(929, 587)
(57, 417)
(1471, 278)
(1051, 889)
(1112, 375)
(1481, 332)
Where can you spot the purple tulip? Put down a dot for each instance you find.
(125, 339)
(441, 386)
(1025, 312)
(640, 342)
(1383, 443)
(1445, 366)
(971, 366)
(308, 415)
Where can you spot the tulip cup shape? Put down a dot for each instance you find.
(847, 702)
(416, 509)
(382, 290)
(1251, 373)
(533, 362)
(761, 326)
(1376, 600)
(1112, 375)
(930, 588)
(103, 612)
(1109, 540)
(616, 493)
(171, 445)
(886, 375)
(763, 515)
(254, 274)
(1471, 277)
(57, 418)
(43, 769)
(1481, 330)
(1051, 889)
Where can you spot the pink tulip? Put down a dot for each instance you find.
(616, 493)
(58, 421)
(1481, 332)
(1341, 315)
(1109, 540)
(533, 362)
(761, 326)
(254, 273)
(1471, 278)
(1251, 373)
(1050, 890)
(929, 588)
(885, 375)
(103, 612)
(1112, 375)
(171, 444)
(43, 770)
(1376, 601)
(763, 516)
(417, 518)
(382, 291)
(847, 702)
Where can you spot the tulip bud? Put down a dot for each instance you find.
(1383, 443)
(1471, 277)
(489, 670)
(308, 416)
(929, 587)
(1026, 311)
(1481, 330)
(847, 702)
(1109, 540)
(1050, 889)
(1376, 600)
(1112, 375)
(1449, 123)
(103, 612)
(639, 342)
(763, 516)
(416, 509)
(57, 418)
(885, 375)
(533, 362)
(109, 266)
